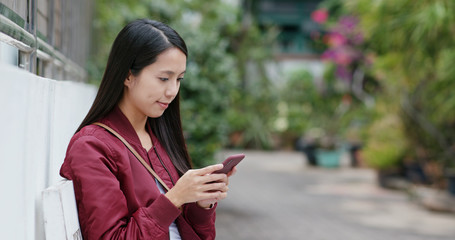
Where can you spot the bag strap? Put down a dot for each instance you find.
(136, 154)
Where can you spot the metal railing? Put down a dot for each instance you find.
(38, 52)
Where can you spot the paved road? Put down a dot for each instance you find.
(275, 196)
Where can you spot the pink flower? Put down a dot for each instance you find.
(320, 15)
(348, 23)
(343, 58)
(343, 73)
(328, 55)
(335, 39)
(358, 38)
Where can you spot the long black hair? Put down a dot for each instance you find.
(138, 45)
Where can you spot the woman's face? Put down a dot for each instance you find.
(155, 87)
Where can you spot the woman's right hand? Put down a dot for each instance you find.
(198, 184)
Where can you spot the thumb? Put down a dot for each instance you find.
(210, 169)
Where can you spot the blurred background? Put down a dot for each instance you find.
(354, 84)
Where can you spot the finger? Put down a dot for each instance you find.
(219, 177)
(232, 172)
(224, 189)
(218, 186)
(216, 195)
(223, 179)
(209, 169)
(206, 203)
(221, 196)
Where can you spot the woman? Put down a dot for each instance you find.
(117, 197)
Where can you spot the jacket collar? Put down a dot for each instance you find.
(120, 123)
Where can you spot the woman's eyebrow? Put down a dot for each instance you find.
(171, 72)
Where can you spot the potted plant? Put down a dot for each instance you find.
(308, 115)
(450, 176)
(347, 86)
(385, 149)
(295, 110)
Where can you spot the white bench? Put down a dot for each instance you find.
(60, 212)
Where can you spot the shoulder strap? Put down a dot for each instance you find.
(133, 152)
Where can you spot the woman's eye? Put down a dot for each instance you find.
(180, 79)
(164, 79)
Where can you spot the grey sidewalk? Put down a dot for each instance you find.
(275, 196)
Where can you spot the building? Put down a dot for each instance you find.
(50, 38)
(292, 18)
(295, 48)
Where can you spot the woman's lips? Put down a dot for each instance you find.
(163, 105)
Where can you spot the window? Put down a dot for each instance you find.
(9, 54)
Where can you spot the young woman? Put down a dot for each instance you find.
(117, 197)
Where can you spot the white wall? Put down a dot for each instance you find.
(278, 71)
(38, 118)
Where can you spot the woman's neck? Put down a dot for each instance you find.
(137, 120)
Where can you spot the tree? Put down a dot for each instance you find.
(218, 46)
(413, 42)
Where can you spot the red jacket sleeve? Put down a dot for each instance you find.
(102, 206)
(202, 220)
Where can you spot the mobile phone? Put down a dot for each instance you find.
(230, 163)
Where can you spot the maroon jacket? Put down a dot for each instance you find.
(117, 197)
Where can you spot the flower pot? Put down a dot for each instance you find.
(451, 184)
(414, 173)
(308, 148)
(353, 150)
(392, 179)
(449, 174)
(328, 158)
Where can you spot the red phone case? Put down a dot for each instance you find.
(230, 163)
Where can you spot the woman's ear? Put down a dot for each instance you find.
(129, 79)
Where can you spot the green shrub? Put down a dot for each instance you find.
(420, 74)
(297, 105)
(414, 69)
(219, 45)
(386, 145)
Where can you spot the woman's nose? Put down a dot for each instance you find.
(172, 88)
